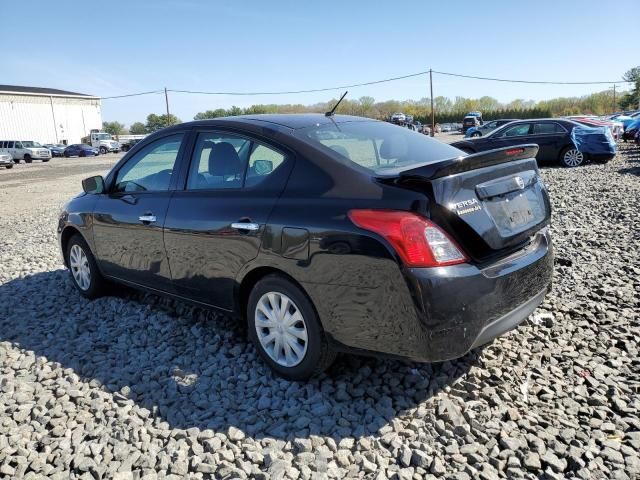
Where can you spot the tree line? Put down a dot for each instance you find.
(446, 109)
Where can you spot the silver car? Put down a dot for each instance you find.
(488, 127)
(6, 160)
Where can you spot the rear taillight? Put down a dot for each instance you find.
(418, 241)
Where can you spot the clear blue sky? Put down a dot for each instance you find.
(119, 47)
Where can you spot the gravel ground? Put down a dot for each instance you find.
(135, 386)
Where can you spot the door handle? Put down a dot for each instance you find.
(147, 218)
(246, 226)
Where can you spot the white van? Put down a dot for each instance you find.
(25, 150)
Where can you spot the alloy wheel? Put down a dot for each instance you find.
(80, 268)
(281, 329)
(573, 157)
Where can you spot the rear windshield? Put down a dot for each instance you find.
(378, 145)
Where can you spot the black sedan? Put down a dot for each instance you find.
(81, 150)
(324, 233)
(553, 137)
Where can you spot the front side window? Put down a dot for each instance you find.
(516, 131)
(150, 169)
(377, 145)
(18, 145)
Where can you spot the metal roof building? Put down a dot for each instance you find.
(47, 115)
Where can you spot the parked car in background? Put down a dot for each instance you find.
(637, 137)
(630, 131)
(81, 150)
(6, 160)
(615, 126)
(446, 128)
(57, 150)
(470, 121)
(25, 150)
(275, 218)
(552, 135)
(487, 127)
(398, 117)
(102, 141)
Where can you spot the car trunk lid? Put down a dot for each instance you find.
(491, 202)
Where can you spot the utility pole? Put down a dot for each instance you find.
(433, 113)
(166, 101)
(615, 106)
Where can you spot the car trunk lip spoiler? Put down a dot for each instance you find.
(462, 163)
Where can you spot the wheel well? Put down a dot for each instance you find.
(253, 277)
(67, 233)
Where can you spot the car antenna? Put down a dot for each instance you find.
(330, 112)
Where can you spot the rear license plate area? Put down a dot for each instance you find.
(516, 212)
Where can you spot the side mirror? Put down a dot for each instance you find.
(263, 167)
(93, 185)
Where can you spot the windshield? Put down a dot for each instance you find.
(30, 145)
(103, 136)
(378, 145)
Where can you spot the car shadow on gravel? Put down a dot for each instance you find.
(191, 368)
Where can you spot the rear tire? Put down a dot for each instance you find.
(291, 341)
(571, 157)
(103, 150)
(16, 161)
(83, 268)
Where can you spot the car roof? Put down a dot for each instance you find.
(289, 120)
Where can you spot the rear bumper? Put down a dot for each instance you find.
(437, 314)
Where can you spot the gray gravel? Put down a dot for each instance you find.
(136, 387)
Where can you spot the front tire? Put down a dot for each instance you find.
(27, 159)
(286, 330)
(571, 157)
(8, 166)
(83, 268)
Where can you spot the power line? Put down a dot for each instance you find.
(131, 95)
(306, 91)
(527, 81)
(374, 82)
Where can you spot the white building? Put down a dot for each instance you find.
(47, 115)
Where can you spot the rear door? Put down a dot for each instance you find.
(215, 224)
(550, 137)
(128, 220)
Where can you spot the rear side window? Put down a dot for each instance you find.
(10, 145)
(219, 161)
(224, 160)
(546, 128)
(262, 162)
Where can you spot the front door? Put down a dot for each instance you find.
(510, 136)
(215, 224)
(128, 220)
